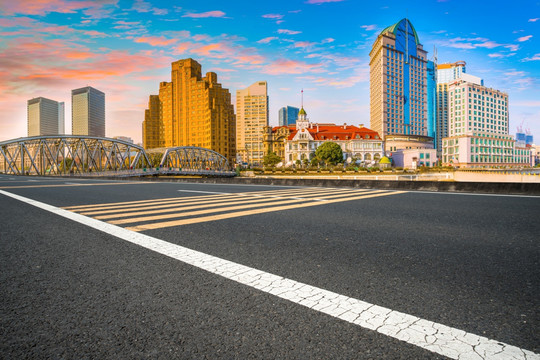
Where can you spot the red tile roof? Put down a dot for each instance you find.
(335, 132)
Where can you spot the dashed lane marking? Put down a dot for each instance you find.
(435, 337)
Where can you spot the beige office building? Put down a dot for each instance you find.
(191, 110)
(45, 117)
(251, 118)
(88, 112)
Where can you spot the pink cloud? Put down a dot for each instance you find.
(267, 40)
(39, 7)
(291, 67)
(524, 38)
(95, 33)
(236, 54)
(288, 32)
(144, 7)
(304, 44)
(208, 14)
(155, 41)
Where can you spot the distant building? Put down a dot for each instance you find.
(153, 125)
(45, 117)
(88, 112)
(251, 118)
(288, 115)
(191, 110)
(478, 129)
(446, 74)
(124, 138)
(432, 101)
(398, 82)
(299, 142)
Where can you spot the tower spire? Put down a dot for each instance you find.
(302, 98)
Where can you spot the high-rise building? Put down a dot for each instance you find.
(152, 126)
(432, 101)
(446, 74)
(288, 115)
(193, 111)
(88, 112)
(478, 128)
(449, 72)
(251, 118)
(398, 82)
(45, 117)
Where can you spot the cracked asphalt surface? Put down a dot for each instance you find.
(71, 292)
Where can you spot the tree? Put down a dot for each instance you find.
(330, 153)
(271, 159)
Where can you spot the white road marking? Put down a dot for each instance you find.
(248, 194)
(435, 337)
(206, 192)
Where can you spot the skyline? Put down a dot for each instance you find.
(125, 48)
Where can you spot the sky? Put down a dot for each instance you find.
(125, 49)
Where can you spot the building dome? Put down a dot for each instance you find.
(400, 25)
(302, 111)
(385, 160)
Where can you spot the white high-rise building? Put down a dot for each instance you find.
(478, 128)
(88, 112)
(446, 74)
(251, 118)
(45, 117)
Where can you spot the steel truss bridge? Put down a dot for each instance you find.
(62, 155)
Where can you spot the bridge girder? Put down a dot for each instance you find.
(90, 155)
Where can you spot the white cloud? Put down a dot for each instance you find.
(499, 55)
(369, 27)
(535, 57)
(288, 32)
(524, 38)
(534, 20)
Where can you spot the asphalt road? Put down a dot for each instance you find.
(69, 291)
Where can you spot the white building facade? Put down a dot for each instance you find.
(478, 129)
(357, 143)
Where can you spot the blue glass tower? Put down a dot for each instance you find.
(432, 101)
(398, 86)
(288, 115)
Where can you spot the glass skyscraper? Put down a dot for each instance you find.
(398, 82)
(288, 115)
(88, 112)
(45, 117)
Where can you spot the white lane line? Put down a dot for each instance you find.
(435, 337)
(471, 194)
(206, 192)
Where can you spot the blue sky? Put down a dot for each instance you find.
(124, 48)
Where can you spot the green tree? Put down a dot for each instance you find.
(330, 153)
(271, 159)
